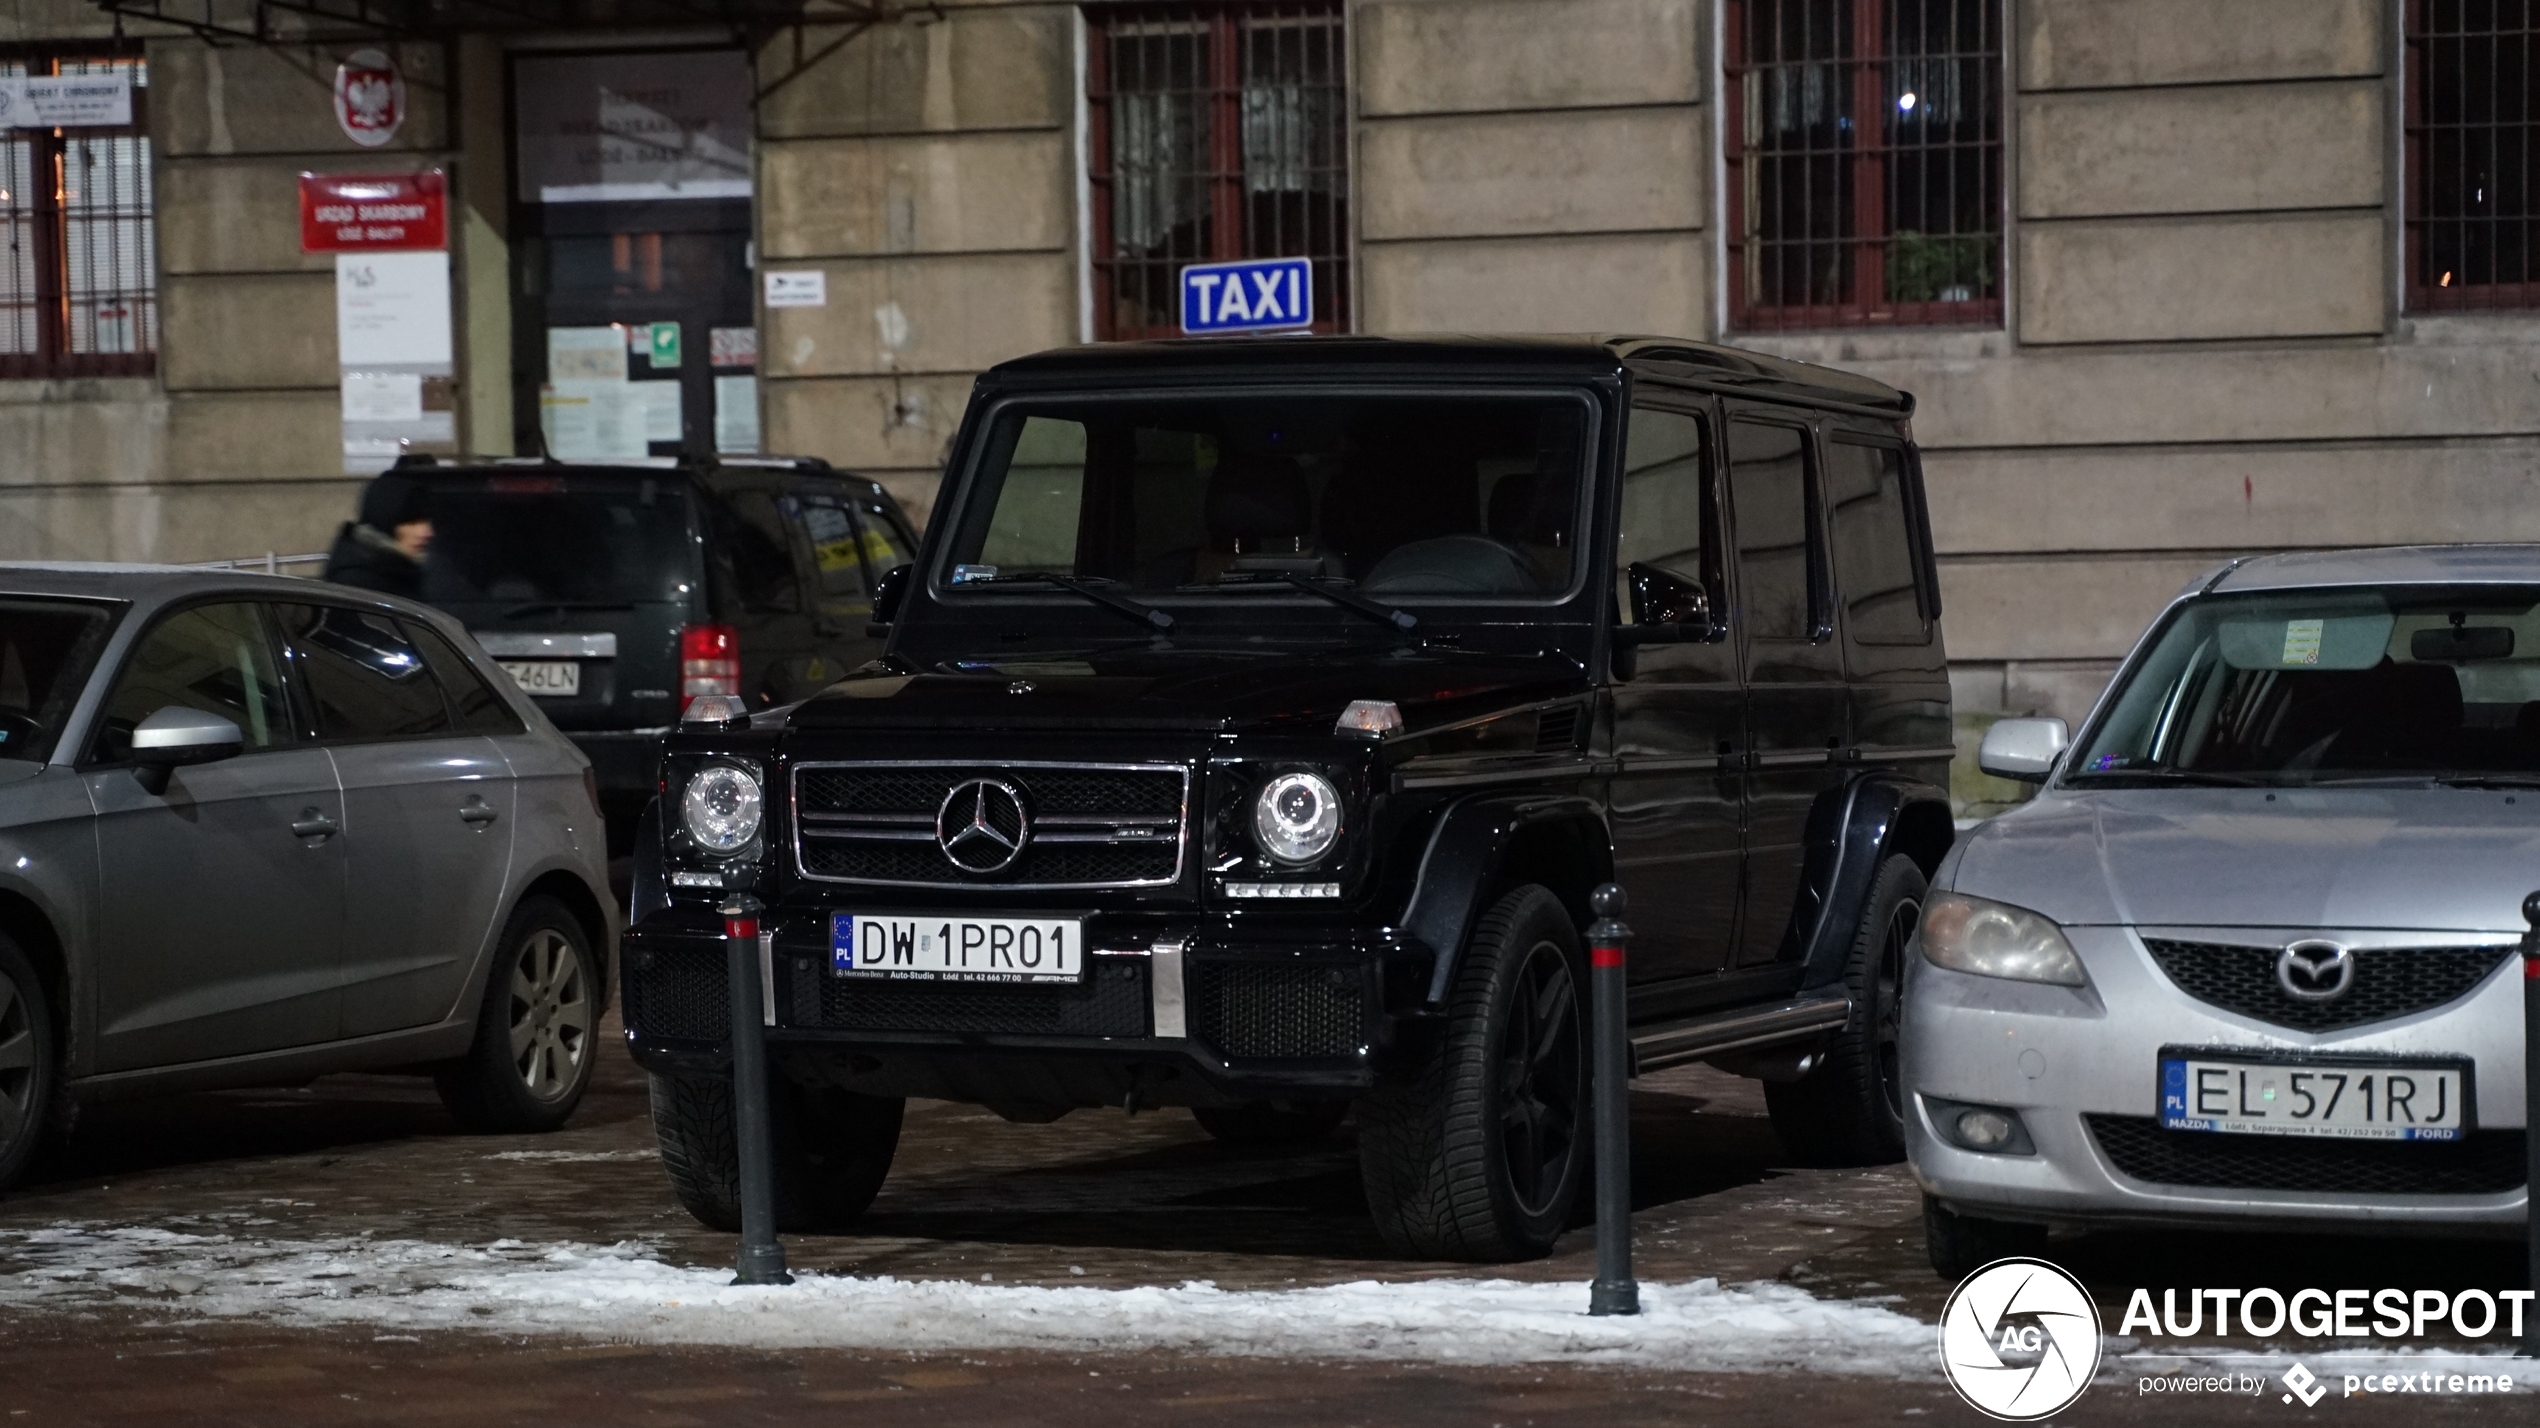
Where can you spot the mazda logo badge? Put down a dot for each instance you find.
(982, 826)
(2315, 971)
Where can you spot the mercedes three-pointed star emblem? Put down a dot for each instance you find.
(982, 826)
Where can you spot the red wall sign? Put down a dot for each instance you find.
(370, 213)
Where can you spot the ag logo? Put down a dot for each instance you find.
(2019, 1340)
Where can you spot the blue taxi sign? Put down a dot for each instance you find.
(1259, 295)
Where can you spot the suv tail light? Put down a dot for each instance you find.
(709, 662)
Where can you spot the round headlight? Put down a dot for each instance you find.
(721, 808)
(1297, 817)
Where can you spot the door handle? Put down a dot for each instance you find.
(313, 824)
(477, 810)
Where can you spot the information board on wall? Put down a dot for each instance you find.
(394, 350)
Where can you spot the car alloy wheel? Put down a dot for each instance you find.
(1541, 1075)
(551, 1014)
(18, 1065)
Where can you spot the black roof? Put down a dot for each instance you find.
(1704, 363)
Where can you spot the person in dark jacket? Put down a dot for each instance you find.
(383, 549)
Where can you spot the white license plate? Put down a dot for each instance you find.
(548, 678)
(2362, 1101)
(956, 949)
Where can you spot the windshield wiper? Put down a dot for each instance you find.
(562, 607)
(2200, 777)
(1118, 604)
(1378, 611)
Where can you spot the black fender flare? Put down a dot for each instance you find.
(1852, 831)
(651, 890)
(1464, 865)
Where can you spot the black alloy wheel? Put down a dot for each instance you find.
(1542, 1080)
(1850, 1109)
(1478, 1149)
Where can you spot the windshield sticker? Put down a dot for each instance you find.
(964, 574)
(2302, 641)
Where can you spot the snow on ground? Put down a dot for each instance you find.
(622, 1292)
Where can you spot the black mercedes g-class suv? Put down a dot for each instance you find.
(1255, 721)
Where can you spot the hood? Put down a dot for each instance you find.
(1221, 691)
(2429, 859)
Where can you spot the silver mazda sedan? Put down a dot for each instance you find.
(255, 829)
(2247, 959)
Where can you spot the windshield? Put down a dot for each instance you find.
(557, 540)
(2400, 682)
(1404, 498)
(46, 649)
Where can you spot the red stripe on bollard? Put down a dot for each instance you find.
(2531, 969)
(740, 927)
(1613, 957)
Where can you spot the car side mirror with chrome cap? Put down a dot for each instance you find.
(177, 736)
(2023, 749)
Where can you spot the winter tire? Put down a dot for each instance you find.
(537, 1032)
(30, 1077)
(832, 1150)
(1272, 1122)
(1960, 1245)
(1480, 1150)
(1850, 1110)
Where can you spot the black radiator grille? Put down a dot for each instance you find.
(679, 994)
(1278, 1009)
(2483, 1162)
(2388, 982)
(1110, 1001)
(1085, 825)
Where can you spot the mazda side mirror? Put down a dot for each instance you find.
(176, 736)
(2023, 749)
(888, 592)
(1666, 609)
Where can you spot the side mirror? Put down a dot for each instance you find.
(1666, 609)
(177, 736)
(888, 592)
(2023, 749)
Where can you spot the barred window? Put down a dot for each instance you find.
(2470, 155)
(1218, 132)
(1864, 163)
(79, 292)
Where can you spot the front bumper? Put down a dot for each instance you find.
(1172, 1011)
(2060, 1056)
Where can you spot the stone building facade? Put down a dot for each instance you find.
(2195, 314)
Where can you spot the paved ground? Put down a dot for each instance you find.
(1097, 1198)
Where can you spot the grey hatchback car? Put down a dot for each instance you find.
(2248, 959)
(255, 829)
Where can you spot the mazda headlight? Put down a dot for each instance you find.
(1297, 817)
(1995, 939)
(722, 808)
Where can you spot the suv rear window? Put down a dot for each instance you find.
(545, 539)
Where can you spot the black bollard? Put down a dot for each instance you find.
(1615, 1291)
(762, 1256)
(2531, 1117)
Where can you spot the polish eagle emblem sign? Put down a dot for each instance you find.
(370, 98)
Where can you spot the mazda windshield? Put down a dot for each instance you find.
(1360, 503)
(2392, 684)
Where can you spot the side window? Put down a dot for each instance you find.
(216, 658)
(1666, 518)
(837, 566)
(1777, 562)
(887, 542)
(365, 678)
(762, 555)
(1874, 545)
(474, 706)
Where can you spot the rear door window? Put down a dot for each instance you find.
(474, 706)
(543, 542)
(215, 658)
(1779, 567)
(1875, 569)
(364, 676)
